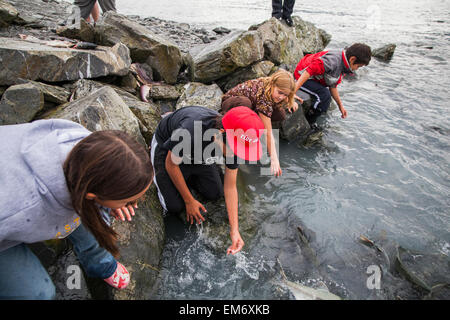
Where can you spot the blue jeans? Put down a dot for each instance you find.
(22, 275)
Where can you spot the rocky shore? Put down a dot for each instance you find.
(123, 73)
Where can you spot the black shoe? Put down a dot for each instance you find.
(289, 21)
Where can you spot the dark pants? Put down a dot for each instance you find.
(87, 5)
(204, 179)
(277, 114)
(282, 9)
(322, 98)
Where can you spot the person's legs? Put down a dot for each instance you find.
(277, 6)
(86, 7)
(95, 260)
(108, 5)
(169, 197)
(22, 276)
(95, 13)
(288, 8)
(322, 99)
(232, 102)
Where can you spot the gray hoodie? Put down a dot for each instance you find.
(35, 204)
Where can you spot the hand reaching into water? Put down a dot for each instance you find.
(236, 243)
(343, 113)
(275, 168)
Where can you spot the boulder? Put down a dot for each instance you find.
(148, 113)
(9, 14)
(38, 61)
(101, 110)
(199, 94)
(384, 53)
(295, 126)
(20, 103)
(53, 94)
(141, 240)
(162, 91)
(312, 39)
(220, 58)
(145, 46)
(82, 30)
(281, 45)
(256, 70)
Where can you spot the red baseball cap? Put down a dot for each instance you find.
(243, 129)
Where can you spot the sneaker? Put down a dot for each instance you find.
(289, 21)
(120, 278)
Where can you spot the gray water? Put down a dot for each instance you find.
(382, 172)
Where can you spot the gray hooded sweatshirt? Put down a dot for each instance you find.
(35, 203)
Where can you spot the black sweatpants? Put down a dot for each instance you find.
(322, 97)
(282, 9)
(204, 179)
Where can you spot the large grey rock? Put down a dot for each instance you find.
(256, 70)
(36, 61)
(218, 59)
(281, 45)
(101, 110)
(161, 91)
(384, 53)
(147, 113)
(312, 39)
(53, 94)
(20, 103)
(295, 126)
(145, 46)
(141, 240)
(198, 94)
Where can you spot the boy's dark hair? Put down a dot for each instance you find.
(361, 52)
(111, 165)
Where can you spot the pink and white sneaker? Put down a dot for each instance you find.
(120, 278)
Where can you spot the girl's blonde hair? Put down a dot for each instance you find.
(284, 81)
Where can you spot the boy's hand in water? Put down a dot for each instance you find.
(126, 211)
(236, 243)
(193, 211)
(343, 112)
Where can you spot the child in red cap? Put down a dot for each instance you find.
(185, 148)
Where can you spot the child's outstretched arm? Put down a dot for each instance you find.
(271, 149)
(300, 81)
(335, 94)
